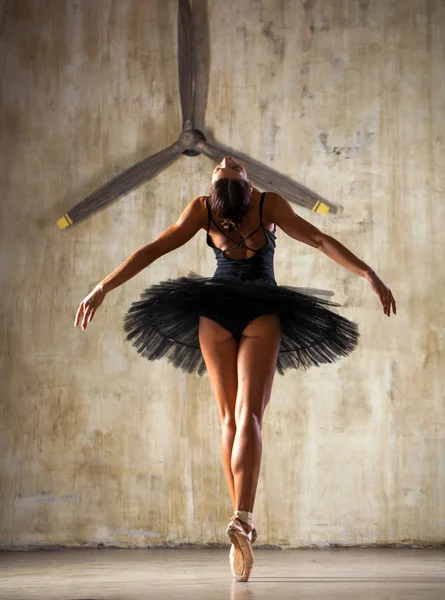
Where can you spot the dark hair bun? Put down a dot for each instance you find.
(230, 200)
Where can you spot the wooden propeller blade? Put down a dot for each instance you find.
(269, 179)
(120, 185)
(186, 63)
(201, 46)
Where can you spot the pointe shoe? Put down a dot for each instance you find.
(241, 554)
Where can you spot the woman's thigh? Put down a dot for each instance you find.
(256, 364)
(220, 350)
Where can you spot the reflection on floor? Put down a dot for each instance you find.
(365, 574)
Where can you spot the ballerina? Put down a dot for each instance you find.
(239, 326)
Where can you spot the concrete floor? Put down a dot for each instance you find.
(371, 574)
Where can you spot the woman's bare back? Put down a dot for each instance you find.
(250, 229)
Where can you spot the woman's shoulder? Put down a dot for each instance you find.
(200, 203)
(269, 204)
(268, 195)
(273, 203)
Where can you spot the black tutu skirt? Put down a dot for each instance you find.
(164, 323)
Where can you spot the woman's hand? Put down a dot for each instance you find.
(88, 307)
(384, 293)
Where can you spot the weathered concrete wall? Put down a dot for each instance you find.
(98, 446)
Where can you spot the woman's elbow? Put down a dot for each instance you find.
(319, 240)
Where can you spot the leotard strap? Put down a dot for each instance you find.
(236, 244)
(209, 212)
(261, 208)
(263, 195)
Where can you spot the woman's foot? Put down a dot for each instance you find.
(241, 554)
(253, 539)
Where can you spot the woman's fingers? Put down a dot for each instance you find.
(87, 308)
(79, 315)
(89, 314)
(385, 295)
(83, 314)
(85, 319)
(388, 303)
(382, 296)
(393, 302)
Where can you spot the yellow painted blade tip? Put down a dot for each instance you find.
(65, 221)
(322, 208)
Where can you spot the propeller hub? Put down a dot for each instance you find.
(189, 140)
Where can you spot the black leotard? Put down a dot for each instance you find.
(258, 266)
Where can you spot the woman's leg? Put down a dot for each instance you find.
(256, 364)
(220, 349)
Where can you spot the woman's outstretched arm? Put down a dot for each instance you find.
(281, 213)
(189, 223)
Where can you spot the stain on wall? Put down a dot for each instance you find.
(98, 446)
